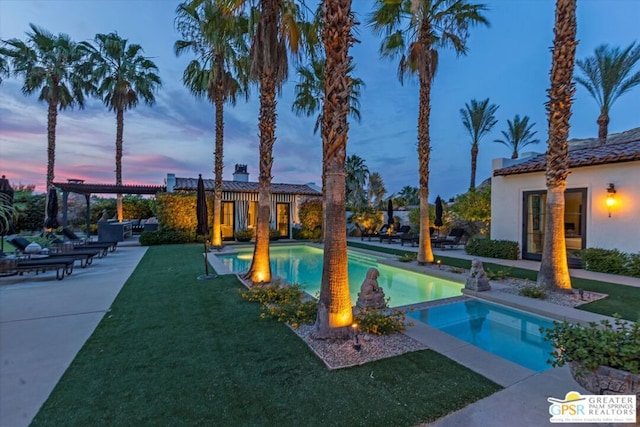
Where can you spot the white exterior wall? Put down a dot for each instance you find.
(621, 231)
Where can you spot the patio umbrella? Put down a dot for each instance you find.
(203, 228)
(390, 212)
(51, 220)
(438, 221)
(6, 199)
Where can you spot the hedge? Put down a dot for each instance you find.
(503, 249)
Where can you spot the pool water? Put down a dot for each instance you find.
(303, 265)
(503, 331)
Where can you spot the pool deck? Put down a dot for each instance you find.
(45, 322)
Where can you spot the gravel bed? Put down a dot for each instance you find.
(342, 354)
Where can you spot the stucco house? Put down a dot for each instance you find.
(602, 197)
(240, 201)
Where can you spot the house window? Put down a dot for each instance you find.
(252, 215)
(226, 222)
(534, 222)
(282, 218)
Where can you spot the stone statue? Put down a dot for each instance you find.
(371, 294)
(478, 279)
(104, 216)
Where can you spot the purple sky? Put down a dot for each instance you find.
(508, 62)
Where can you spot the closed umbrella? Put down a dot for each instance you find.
(6, 201)
(438, 221)
(51, 220)
(390, 212)
(202, 227)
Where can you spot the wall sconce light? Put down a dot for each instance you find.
(611, 200)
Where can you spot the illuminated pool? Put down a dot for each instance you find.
(509, 333)
(303, 265)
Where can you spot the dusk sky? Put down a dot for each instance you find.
(508, 62)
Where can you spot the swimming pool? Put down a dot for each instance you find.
(503, 331)
(303, 265)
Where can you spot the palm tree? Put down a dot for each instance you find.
(478, 118)
(410, 194)
(376, 190)
(4, 65)
(277, 33)
(334, 304)
(607, 75)
(554, 269)
(518, 135)
(357, 176)
(310, 90)
(416, 29)
(52, 65)
(123, 76)
(217, 38)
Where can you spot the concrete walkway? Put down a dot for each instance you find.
(44, 322)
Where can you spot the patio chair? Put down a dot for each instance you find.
(395, 236)
(84, 255)
(15, 265)
(78, 241)
(451, 240)
(383, 230)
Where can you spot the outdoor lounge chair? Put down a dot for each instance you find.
(451, 240)
(16, 265)
(84, 255)
(395, 236)
(414, 238)
(78, 241)
(383, 230)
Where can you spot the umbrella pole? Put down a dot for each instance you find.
(206, 258)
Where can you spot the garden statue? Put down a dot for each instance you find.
(371, 294)
(478, 279)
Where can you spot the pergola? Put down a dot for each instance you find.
(79, 187)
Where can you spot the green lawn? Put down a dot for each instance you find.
(622, 300)
(177, 351)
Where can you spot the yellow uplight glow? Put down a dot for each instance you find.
(611, 201)
(341, 318)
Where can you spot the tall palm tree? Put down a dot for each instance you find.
(478, 118)
(410, 194)
(334, 304)
(277, 33)
(52, 65)
(357, 176)
(5, 71)
(607, 75)
(310, 89)
(416, 29)
(218, 39)
(554, 268)
(518, 135)
(376, 190)
(123, 76)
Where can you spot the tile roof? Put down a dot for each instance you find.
(191, 184)
(586, 153)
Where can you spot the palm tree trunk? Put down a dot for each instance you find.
(514, 155)
(474, 162)
(216, 238)
(260, 270)
(554, 269)
(119, 133)
(334, 304)
(52, 119)
(425, 252)
(603, 127)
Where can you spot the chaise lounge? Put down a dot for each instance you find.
(451, 240)
(78, 241)
(11, 266)
(84, 255)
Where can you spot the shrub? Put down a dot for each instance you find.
(166, 236)
(274, 234)
(503, 249)
(283, 303)
(533, 291)
(380, 322)
(304, 234)
(611, 261)
(310, 214)
(497, 275)
(243, 235)
(408, 257)
(598, 344)
(177, 211)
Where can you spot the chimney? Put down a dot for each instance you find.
(171, 182)
(241, 174)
